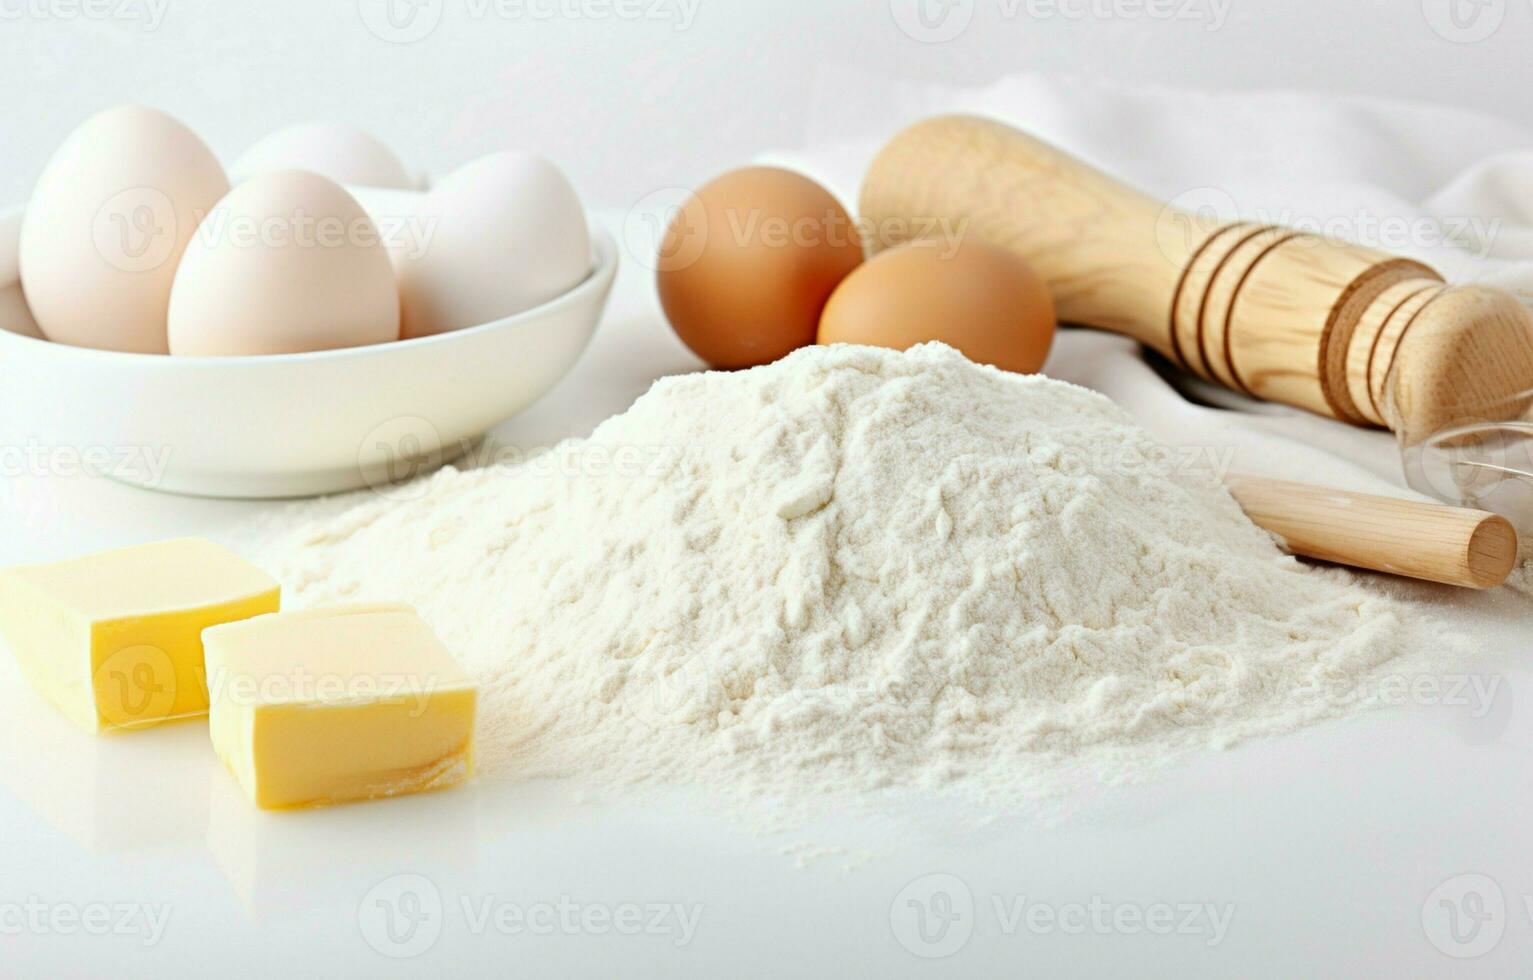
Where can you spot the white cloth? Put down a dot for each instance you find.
(1450, 187)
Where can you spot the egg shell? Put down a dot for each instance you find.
(498, 236)
(979, 298)
(288, 262)
(345, 154)
(748, 262)
(107, 225)
(15, 316)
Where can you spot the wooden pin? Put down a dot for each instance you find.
(1432, 542)
(1293, 318)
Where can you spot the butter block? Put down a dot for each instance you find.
(338, 704)
(114, 639)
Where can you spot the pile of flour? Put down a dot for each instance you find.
(857, 569)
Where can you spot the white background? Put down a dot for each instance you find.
(631, 96)
(1336, 850)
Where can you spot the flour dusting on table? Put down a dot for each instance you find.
(857, 569)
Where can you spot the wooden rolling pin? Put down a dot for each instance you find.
(1335, 328)
(1432, 542)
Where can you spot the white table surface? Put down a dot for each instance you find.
(1347, 850)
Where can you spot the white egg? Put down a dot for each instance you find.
(498, 236)
(288, 262)
(14, 314)
(345, 154)
(107, 224)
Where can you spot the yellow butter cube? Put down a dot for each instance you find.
(114, 639)
(344, 703)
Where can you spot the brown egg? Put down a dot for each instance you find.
(748, 262)
(979, 298)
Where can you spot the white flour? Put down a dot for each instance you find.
(858, 569)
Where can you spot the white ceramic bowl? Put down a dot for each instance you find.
(289, 425)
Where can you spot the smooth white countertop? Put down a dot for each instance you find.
(1347, 850)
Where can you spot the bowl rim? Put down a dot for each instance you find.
(594, 284)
